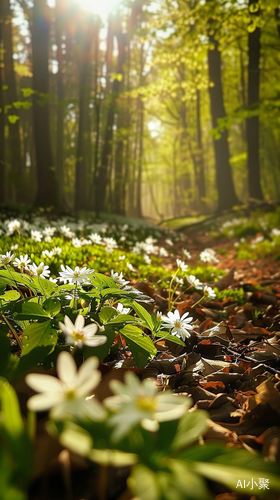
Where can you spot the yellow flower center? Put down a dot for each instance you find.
(146, 403)
(70, 395)
(78, 336)
(177, 324)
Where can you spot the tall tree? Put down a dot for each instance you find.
(86, 31)
(11, 96)
(45, 170)
(2, 116)
(226, 193)
(252, 122)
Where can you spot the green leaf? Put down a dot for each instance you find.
(13, 119)
(122, 318)
(27, 92)
(10, 296)
(38, 334)
(141, 346)
(168, 336)
(101, 351)
(30, 360)
(101, 281)
(44, 286)
(31, 310)
(106, 314)
(191, 426)
(52, 306)
(144, 315)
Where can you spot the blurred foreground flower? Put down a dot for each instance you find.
(79, 334)
(141, 403)
(180, 326)
(66, 394)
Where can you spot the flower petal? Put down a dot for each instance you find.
(90, 384)
(42, 402)
(96, 341)
(41, 383)
(66, 368)
(90, 330)
(86, 369)
(80, 322)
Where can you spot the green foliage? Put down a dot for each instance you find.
(237, 296)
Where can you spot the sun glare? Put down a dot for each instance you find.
(100, 7)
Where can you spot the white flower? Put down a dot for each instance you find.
(181, 265)
(66, 394)
(147, 259)
(14, 247)
(66, 232)
(122, 257)
(40, 270)
(36, 235)
(6, 258)
(13, 225)
(53, 280)
(76, 242)
(187, 254)
(194, 282)
(141, 403)
(95, 238)
(209, 292)
(56, 250)
(22, 261)
(208, 255)
(275, 232)
(130, 267)
(79, 334)
(121, 309)
(169, 242)
(78, 275)
(49, 231)
(47, 254)
(159, 315)
(180, 326)
(163, 252)
(118, 278)
(111, 243)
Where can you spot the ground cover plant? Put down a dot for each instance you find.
(137, 363)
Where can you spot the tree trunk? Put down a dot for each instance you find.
(115, 28)
(2, 116)
(15, 149)
(45, 170)
(224, 182)
(85, 36)
(200, 158)
(252, 122)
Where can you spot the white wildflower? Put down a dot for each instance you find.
(209, 292)
(180, 325)
(193, 281)
(36, 235)
(78, 275)
(22, 262)
(79, 334)
(40, 270)
(141, 403)
(118, 278)
(66, 395)
(181, 265)
(6, 258)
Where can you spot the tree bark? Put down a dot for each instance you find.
(45, 169)
(11, 96)
(85, 36)
(252, 122)
(224, 182)
(2, 116)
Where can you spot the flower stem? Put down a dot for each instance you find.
(198, 301)
(12, 329)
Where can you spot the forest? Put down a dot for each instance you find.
(158, 109)
(139, 250)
